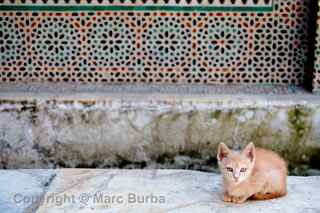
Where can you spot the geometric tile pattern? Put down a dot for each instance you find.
(316, 81)
(253, 42)
(214, 3)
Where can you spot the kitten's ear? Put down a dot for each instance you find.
(250, 152)
(223, 151)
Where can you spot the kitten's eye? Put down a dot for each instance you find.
(243, 169)
(229, 169)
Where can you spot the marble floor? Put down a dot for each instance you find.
(109, 190)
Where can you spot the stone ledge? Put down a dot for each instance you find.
(173, 131)
(167, 92)
(81, 190)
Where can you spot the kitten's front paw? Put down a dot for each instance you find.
(227, 198)
(232, 199)
(238, 199)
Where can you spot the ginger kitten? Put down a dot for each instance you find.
(253, 173)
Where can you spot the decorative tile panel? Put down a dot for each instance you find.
(316, 81)
(138, 3)
(209, 42)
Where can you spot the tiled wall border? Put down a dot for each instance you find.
(226, 3)
(316, 80)
(139, 5)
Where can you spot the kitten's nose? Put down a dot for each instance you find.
(236, 177)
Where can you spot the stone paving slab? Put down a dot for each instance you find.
(85, 190)
(21, 190)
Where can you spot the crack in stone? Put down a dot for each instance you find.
(36, 205)
(80, 181)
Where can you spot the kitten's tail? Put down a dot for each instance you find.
(267, 196)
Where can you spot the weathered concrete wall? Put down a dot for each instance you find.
(146, 131)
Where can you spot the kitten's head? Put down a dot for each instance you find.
(236, 166)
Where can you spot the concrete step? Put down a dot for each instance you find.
(85, 190)
(108, 126)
